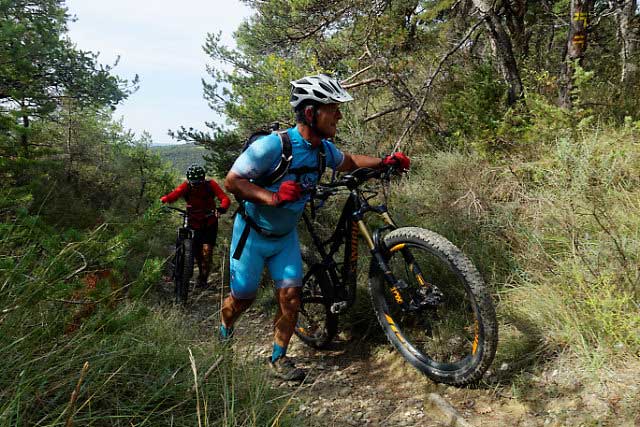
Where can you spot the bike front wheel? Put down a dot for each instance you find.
(183, 270)
(440, 317)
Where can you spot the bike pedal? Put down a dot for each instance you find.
(338, 307)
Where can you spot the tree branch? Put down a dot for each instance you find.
(385, 112)
(364, 82)
(427, 86)
(319, 27)
(356, 74)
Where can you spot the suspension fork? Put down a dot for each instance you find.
(378, 252)
(406, 253)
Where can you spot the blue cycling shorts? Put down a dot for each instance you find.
(280, 254)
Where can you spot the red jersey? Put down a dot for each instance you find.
(201, 201)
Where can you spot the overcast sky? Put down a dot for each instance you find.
(161, 41)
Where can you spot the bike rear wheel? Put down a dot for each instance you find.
(316, 325)
(449, 332)
(183, 270)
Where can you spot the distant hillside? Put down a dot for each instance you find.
(181, 156)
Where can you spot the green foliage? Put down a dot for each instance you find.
(41, 68)
(556, 234)
(473, 105)
(55, 318)
(95, 171)
(180, 156)
(223, 146)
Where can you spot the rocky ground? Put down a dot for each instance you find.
(360, 381)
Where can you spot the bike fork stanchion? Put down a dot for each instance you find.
(395, 286)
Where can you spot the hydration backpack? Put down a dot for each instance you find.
(286, 158)
(277, 174)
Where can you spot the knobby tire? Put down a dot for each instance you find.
(184, 270)
(453, 341)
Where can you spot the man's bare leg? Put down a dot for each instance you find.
(287, 315)
(284, 325)
(232, 308)
(204, 260)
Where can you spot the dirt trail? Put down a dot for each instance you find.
(361, 382)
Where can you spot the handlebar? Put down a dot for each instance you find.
(351, 181)
(183, 212)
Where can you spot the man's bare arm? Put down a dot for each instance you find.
(246, 190)
(355, 161)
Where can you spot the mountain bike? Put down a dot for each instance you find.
(428, 297)
(183, 257)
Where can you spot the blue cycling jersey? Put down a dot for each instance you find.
(262, 157)
(280, 254)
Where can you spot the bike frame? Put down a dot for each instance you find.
(350, 226)
(184, 232)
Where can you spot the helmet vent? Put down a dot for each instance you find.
(319, 94)
(325, 87)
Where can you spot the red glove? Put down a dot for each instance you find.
(397, 160)
(289, 191)
(163, 199)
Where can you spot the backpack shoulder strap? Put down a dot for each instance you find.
(322, 159)
(283, 165)
(319, 169)
(209, 189)
(187, 195)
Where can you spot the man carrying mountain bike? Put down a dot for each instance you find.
(264, 231)
(200, 195)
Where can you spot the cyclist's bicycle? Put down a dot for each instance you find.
(182, 262)
(183, 256)
(428, 297)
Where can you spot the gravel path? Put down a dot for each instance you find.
(362, 382)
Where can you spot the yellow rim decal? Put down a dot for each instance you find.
(476, 338)
(394, 329)
(397, 247)
(421, 280)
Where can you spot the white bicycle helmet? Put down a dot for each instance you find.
(319, 88)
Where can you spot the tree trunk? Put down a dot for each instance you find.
(502, 50)
(576, 47)
(69, 143)
(143, 185)
(24, 139)
(516, 11)
(629, 33)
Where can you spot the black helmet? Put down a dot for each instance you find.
(195, 174)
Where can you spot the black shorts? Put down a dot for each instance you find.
(206, 235)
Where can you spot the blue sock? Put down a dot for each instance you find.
(278, 352)
(225, 333)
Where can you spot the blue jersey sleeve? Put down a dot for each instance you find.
(260, 158)
(334, 156)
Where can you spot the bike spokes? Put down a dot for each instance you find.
(312, 321)
(316, 325)
(439, 322)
